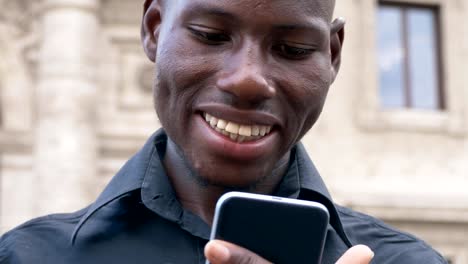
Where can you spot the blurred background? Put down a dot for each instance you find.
(75, 104)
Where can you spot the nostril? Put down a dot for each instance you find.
(247, 85)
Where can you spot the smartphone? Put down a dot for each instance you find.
(281, 230)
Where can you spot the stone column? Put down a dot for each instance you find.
(65, 141)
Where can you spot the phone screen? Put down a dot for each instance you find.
(280, 230)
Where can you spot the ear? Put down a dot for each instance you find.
(150, 27)
(336, 45)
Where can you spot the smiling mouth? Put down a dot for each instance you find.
(235, 131)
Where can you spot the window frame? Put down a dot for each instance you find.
(404, 8)
(369, 115)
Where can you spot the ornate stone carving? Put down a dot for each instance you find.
(134, 80)
(20, 20)
(19, 13)
(18, 49)
(146, 78)
(121, 12)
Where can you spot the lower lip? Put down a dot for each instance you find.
(222, 145)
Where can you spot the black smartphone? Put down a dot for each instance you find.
(281, 230)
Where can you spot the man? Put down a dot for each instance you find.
(238, 84)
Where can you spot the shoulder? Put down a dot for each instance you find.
(38, 237)
(389, 244)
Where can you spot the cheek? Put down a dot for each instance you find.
(184, 70)
(306, 88)
(181, 74)
(307, 80)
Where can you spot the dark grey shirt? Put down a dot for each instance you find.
(138, 219)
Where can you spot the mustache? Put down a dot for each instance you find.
(230, 100)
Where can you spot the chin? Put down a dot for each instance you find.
(233, 178)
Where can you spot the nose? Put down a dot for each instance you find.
(244, 77)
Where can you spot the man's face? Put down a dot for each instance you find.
(239, 82)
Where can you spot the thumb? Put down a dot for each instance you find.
(359, 254)
(221, 252)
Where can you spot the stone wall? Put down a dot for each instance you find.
(407, 167)
(75, 104)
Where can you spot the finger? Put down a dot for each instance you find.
(221, 252)
(359, 254)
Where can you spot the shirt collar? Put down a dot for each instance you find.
(313, 189)
(158, 195)
(144, 170)
(128, 179)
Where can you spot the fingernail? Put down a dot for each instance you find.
(219, 251)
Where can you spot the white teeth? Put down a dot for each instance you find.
(232, 128)
(213, 122)
(245, 131)
(255, 130)
(221, 124)
(233, 136)
(208, 117)
(237, 132)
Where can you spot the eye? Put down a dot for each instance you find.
(209, 35)
(293, 51)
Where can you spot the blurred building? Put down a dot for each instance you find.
(75, 104)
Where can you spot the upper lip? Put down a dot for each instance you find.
(243, 117)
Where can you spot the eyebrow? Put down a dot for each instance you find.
(315, 26)
(210, 10)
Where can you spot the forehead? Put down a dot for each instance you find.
(262, 10)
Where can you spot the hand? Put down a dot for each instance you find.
(359, 254)
(221, 252)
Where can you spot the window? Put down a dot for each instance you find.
(409, 57)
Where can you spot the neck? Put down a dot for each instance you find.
(200, 197)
